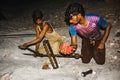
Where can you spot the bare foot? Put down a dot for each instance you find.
(45, 67)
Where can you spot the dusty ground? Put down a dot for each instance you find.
(16, 66)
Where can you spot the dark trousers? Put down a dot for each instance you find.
(90, 50)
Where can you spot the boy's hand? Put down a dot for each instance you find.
(23, 46)
(101, 45)
(66, 49)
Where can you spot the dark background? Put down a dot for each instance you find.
(16, 14)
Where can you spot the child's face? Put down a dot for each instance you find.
(39, 21)
(75, 19)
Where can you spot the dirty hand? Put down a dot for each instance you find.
(66, 49)
(23, 46)
(101, 46)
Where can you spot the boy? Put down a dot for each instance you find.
(43, 30)
(88, 27)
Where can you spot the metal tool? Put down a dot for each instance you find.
(73, 55)
(50, 54)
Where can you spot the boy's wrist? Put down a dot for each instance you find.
(25, 44)
(74, 46)
(103, 42)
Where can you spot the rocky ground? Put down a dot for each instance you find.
(16, 19)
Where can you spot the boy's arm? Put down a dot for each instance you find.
(106, 34)
(68, 49)
(38, 39)
(74, 42)
(73, 35)
(37, 34)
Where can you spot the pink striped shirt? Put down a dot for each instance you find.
(92, 31)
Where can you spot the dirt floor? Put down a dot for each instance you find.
(15, 18)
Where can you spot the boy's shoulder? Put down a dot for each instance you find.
(92, 15)
(46, 23)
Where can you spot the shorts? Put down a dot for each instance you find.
(90, 50)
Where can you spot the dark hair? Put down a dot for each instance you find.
(37, 14)
(74, 8)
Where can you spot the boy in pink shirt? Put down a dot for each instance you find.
(88, 27)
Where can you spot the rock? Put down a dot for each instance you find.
(117, 34)
(6, 77)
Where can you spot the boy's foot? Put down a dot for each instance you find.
(45, 67)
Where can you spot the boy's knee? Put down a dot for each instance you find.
(86, 61)
(100, 60)
(100, 63)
